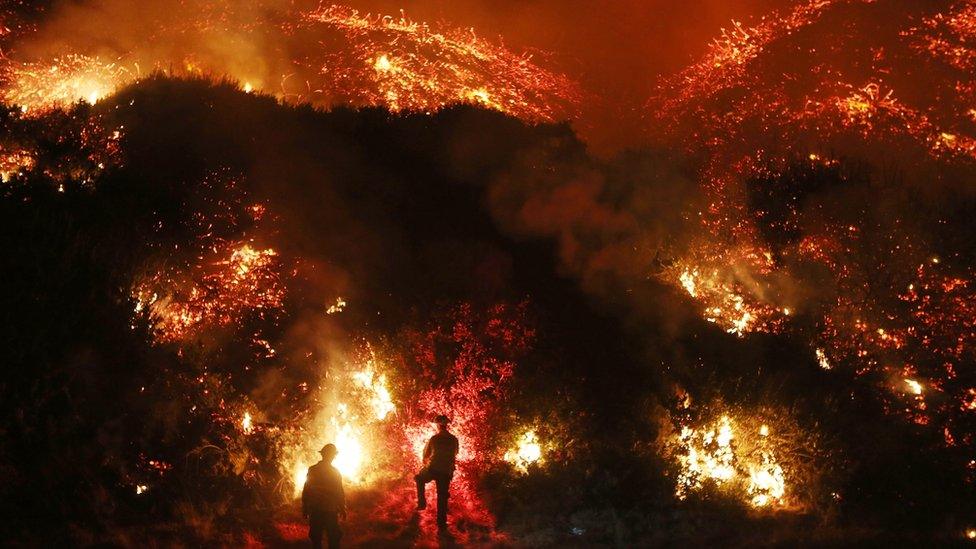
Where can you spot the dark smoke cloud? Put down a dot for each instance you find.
(613, 224)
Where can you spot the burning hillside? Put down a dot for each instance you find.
(326, 55)
(256, 343)
(837, 145)
(232, 238)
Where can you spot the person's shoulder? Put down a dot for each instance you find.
(315, 467)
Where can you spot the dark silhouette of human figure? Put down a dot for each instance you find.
(440, 455)
(323, 500)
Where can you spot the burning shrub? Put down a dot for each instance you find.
(526, 452)
(62, 148)
(240, 280)
(461, 366)
(221, 280)
(759, 457)
(353, 409)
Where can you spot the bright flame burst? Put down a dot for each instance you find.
(374, 385)
(60, 83)
(767, 485)
(351, 424)
(913, 386)
(709, 455)
(337, 307)
(822, 359)
(349, 461)
(527, 451)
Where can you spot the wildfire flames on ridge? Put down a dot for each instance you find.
(346, 57)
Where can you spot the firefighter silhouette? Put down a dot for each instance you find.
(323, 500)
(440, 454)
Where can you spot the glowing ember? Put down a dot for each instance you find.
(949, 36)
(62, 148)
(822, 359)
(407, 65)
(13, 163)
(527, 451)
(725, 300)
(246, 423)
(969, 400)
(245, 281)
(337, 307)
